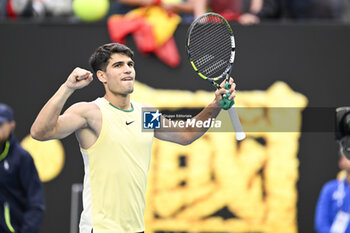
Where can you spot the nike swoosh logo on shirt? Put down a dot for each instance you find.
(128, 123)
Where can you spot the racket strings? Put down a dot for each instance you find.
(210, 46)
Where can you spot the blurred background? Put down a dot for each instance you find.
(289, 53)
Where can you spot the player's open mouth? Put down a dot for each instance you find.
(127, 79)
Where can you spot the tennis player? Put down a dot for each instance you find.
(115, 150)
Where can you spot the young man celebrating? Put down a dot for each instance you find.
(116, 152)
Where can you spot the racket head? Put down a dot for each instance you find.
(210, 46)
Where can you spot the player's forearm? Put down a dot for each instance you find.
(46, 121)
(209, 112)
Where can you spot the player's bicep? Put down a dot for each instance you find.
(69, 122)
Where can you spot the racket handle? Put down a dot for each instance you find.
(240, 135)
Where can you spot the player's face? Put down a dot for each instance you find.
(5, 131)
(120, 74)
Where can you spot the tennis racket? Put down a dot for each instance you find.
(210, 46)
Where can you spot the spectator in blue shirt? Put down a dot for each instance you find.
(333, 206)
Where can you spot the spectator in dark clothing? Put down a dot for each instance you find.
(21, 195)
(285, 9)
(302, 9)
(328, 9)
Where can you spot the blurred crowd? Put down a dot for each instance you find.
(245, 12)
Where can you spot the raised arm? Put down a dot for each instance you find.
(49, 124)
(185, 136)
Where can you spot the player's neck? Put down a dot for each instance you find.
(121, 102)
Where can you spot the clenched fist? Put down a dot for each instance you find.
(79, 78)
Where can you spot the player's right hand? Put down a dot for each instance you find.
(79, 78)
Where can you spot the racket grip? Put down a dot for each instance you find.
(240, 135)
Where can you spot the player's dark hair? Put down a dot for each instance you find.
(100, 58)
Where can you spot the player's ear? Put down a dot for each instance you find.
(101, 76)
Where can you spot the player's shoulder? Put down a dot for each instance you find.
(87, 110)
(85, 104)
(84, 107)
